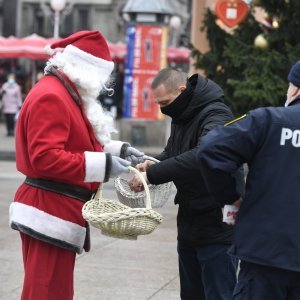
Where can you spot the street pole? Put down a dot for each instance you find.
(56, 24)
(57, 6)
(175, 23)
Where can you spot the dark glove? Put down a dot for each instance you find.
(134, 156)
(118, 166)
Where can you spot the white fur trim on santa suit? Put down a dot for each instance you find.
(46, 224)
(114, 147)
(93, 61)
(51, 51)
(95, 166)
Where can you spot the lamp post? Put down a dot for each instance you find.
(175, 23)
(57, 6)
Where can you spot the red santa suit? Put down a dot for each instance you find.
(55, 142)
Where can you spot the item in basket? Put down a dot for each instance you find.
(159, 194)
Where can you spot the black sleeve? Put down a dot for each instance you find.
(215, 118)
(185, 164)
(173, 168)
(226, 149)
(162, 156)
(239, 176)
(221, 185)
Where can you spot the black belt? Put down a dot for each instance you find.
(69, 190)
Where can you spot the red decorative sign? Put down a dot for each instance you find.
(231, 12)
(148, 58)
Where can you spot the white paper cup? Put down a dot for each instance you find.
(229, 214)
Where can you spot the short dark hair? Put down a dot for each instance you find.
(170, 78)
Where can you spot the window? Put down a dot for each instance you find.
(83, 19)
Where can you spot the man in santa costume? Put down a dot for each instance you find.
(64, 147)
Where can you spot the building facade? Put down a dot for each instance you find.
(24, 17)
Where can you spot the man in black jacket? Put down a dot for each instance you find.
(195, 106)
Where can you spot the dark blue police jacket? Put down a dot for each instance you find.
(267, 230)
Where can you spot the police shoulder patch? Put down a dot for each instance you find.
(235, 120)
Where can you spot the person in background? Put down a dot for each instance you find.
(266, 238)
(65, 150)
(118, 95)
(196, 105)
(11, 102)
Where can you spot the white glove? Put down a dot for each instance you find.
(118, 166)
(134, 156)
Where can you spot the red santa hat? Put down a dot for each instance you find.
(87, 47)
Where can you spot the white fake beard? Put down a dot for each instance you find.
(101, 121)
(89, 82)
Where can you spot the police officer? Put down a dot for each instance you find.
(267, 230)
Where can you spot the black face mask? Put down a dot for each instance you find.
(178, 106)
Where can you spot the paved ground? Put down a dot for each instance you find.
(114, 269)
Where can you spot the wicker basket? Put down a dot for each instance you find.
(159, 193)
(118, 220)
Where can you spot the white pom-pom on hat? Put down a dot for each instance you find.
(51, 51)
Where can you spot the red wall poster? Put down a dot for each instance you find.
(149, 56)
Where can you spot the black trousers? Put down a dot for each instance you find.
(257, 282)
(206, 272)
(10, 123)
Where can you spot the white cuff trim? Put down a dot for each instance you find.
(95, 166)
(114, 147)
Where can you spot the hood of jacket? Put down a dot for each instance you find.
(199, 93)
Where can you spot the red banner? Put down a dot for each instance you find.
(142, 102)
(149, 57)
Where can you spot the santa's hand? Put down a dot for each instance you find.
(134, 156)
(142, 167)
(118, 166)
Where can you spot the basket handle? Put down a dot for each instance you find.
(98, 195)
(99, 192)
(148, 200)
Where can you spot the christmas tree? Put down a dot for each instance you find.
(251, 63)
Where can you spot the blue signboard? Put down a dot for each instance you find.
(128, 72)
